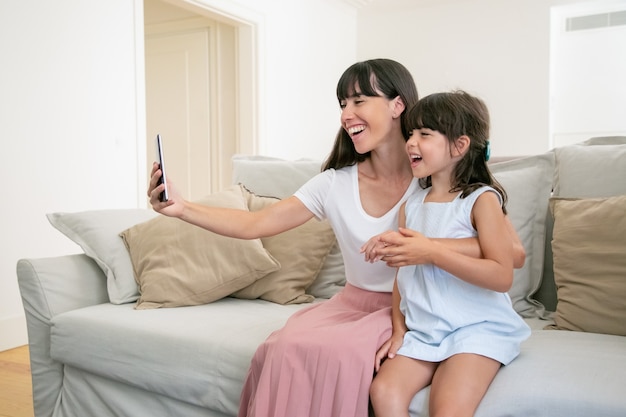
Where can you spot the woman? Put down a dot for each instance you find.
(321, 363)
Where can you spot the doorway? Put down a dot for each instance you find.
(193, 78)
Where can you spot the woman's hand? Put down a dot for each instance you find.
(405, 247)
(372, 248)
(401, 248)
(172, 207)
(389, 349)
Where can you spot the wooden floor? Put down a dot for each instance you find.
(16, 399)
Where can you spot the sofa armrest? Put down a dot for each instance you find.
(51, 286)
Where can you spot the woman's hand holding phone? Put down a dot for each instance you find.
(162, 194)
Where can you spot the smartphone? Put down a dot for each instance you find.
(164, 196)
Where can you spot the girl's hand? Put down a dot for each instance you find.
(388, 349)
(172, 207)
(406, 247)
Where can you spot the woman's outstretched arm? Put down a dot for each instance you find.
(284, 215)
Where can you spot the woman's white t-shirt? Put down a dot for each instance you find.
(334, 195)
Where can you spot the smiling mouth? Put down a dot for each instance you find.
(415, 158)
(355, 130)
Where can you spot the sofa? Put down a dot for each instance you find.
(153, 317)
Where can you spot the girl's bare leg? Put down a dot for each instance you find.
(397, 382)
(460, 383)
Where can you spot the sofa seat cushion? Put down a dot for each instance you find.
(198, 354)
(558, 373)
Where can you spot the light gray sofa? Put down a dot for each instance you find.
(94, 354)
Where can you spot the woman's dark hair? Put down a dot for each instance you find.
(373, 77)
(456, 114)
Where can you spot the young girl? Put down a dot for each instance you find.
(453, 323)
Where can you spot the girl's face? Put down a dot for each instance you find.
(429, 153)
(369, 120)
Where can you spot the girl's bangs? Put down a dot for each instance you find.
(428, 113)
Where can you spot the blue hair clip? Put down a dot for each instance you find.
(487, 151)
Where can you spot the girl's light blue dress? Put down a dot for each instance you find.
(446, 315)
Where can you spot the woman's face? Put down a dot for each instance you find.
(369, 121)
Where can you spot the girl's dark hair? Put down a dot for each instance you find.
(373, 77)
(453, 115)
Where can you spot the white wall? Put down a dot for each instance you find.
(590, 101)
(308, 44)
(499, 50)
(69, 122)
(72, 111)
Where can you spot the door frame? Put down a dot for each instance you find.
(249, 33)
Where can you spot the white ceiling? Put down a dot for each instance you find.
(396, 3)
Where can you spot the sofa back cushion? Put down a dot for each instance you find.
(528, 184)
(591, 169)
(97, 233)
(273, 177)
(280, 178)
(595, 168)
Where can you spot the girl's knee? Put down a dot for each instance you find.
(375, 386)
(384, 394)
(377, 391)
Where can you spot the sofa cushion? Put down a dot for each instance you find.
(204, 362)
(590, 264)
(589, 170)
(301, 253)
(179, 264)
(331, 278)
(528, 183)
(275, 177)
(556, 374)
(593, 168)
(198, 355)
(97, 233)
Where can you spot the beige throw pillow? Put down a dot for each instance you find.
(178, 264)
(589, 246)
(301, 253)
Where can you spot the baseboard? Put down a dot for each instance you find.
(13, 332)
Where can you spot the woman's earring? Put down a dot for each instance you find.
(487, 151)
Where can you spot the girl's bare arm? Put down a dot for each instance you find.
(495, 270)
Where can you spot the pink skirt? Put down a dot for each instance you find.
(321, 363)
